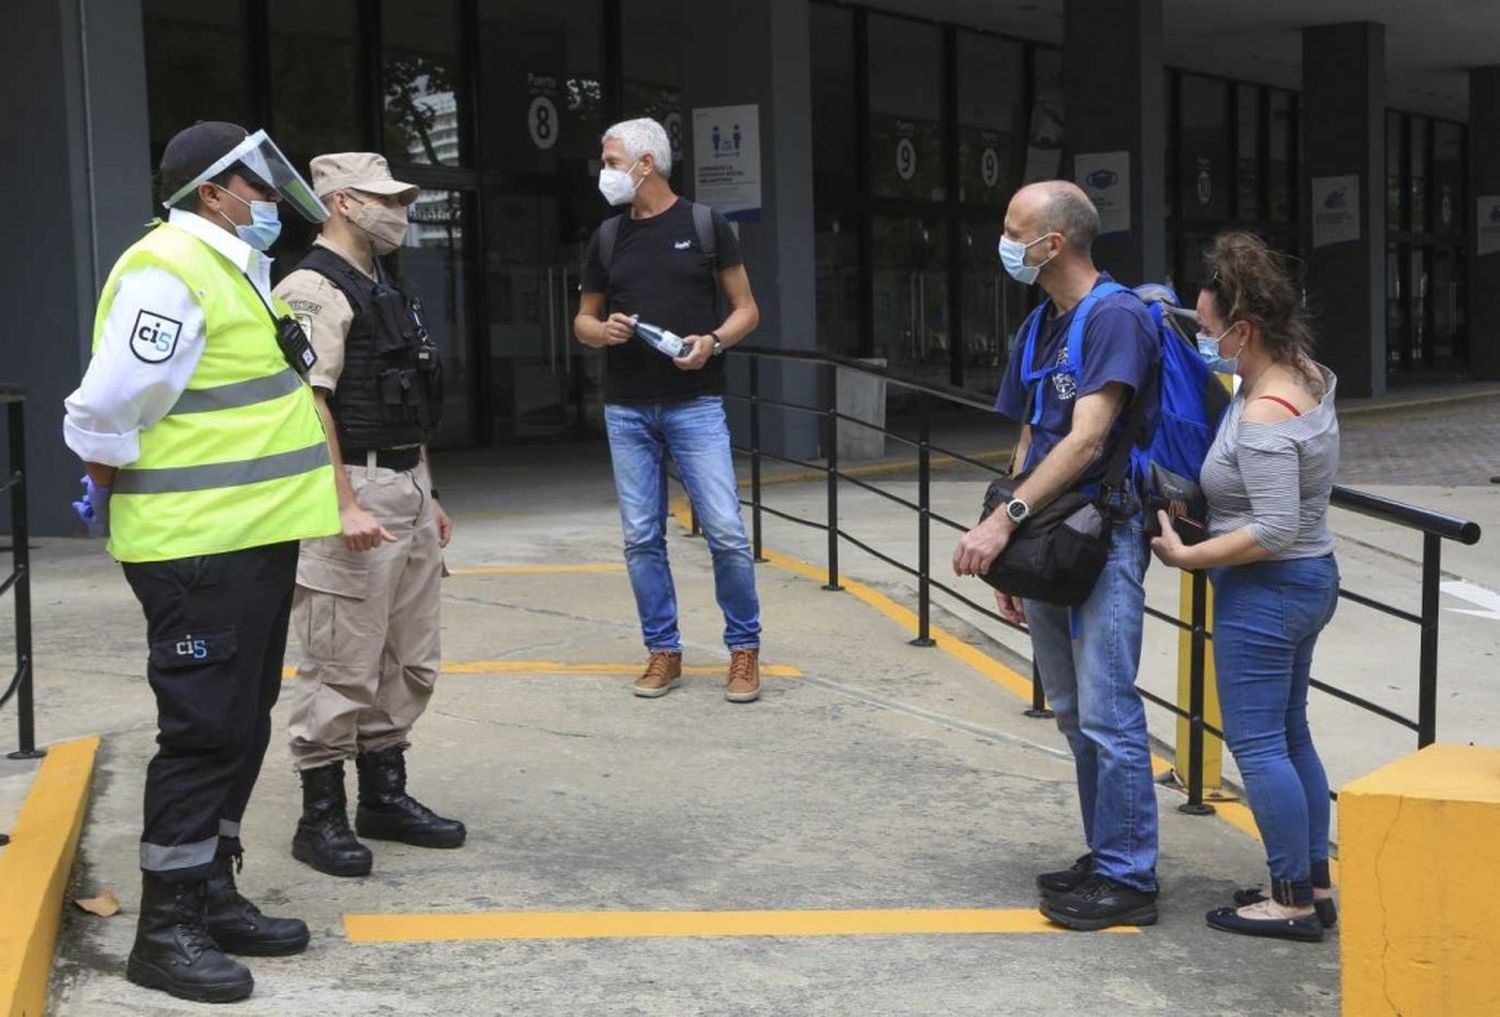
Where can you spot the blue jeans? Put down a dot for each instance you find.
(1267, 617)
(1090, 684)
(695, 434)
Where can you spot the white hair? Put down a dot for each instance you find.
(643, 137)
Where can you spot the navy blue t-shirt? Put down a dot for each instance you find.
(1120, 344)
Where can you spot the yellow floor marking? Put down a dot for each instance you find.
(34, 872)
(498, 667)
(678, 924)
(1235, 814)
(536, 570)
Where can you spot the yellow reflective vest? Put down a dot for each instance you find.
(241, 460)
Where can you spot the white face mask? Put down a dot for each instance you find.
(617, 185)
(1013, 257)
(1208, 349)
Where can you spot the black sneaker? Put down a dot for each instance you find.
(1099, 903)
(1066, 880)
(1328, 912)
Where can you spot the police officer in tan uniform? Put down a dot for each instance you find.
(366, 607)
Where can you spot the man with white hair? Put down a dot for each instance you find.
(663, 262)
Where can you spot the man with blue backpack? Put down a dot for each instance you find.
(1082, 378)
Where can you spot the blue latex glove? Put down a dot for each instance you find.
(93, 508)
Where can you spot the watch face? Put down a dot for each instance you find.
(1016, 510)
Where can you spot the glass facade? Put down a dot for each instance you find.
(1426, 328)
(921, 133)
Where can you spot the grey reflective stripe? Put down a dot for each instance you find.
(228, 828)
(241, 393)
(176, 480)
(164, 858)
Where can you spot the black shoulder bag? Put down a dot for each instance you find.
(1057, 555)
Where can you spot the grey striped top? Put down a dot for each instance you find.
(1275, 478)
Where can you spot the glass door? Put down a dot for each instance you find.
(542, 110)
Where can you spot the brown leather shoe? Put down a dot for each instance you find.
(663, 674)
(744, 676)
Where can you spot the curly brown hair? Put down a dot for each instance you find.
(1250, 282)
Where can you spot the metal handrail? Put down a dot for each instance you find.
(1434, 526)
(18, 583)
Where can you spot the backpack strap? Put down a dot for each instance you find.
(1081, 317)
(1033, 375)
(609, 231)
(708, 239)
(1030, 377)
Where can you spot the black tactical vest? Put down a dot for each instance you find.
(390, 392)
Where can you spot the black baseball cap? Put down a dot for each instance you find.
(196, 148)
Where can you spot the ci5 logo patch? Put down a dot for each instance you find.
(154, 338)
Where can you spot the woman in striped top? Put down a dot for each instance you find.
(1267, 479)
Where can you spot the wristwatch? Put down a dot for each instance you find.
(718, 344)
(1017, 511)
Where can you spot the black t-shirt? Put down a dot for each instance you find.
(659, 272)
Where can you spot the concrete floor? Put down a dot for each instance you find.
(887, 777)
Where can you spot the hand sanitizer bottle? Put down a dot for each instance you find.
(667, 343)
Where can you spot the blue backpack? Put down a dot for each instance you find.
(1165, 462)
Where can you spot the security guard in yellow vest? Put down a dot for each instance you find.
(206, 464)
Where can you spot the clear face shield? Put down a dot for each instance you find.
(259, 155)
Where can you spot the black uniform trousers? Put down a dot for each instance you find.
(217, 626)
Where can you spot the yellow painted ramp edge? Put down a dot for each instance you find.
(34, 872)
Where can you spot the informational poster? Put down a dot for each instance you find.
(726, 160)
(1048, 125)
(1105, 178)
(1488, 239)
(1335, 210)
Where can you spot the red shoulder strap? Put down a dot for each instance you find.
(1277, 399)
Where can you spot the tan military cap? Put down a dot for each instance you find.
(358, 171)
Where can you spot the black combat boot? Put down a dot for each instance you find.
(173, 950)
(238, 926)
(387, 812)
(323, 839)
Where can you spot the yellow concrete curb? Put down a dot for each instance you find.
(34, 872)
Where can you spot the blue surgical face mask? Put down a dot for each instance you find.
(1013, 257)
(1208, 349)
(265, 222)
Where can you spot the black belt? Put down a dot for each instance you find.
(398, 459)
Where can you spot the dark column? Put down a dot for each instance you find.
(74, 163)
(1343, 132)
(1113, 87)
(1483, 230)
(771, 65)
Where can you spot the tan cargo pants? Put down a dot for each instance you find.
(369, 626)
